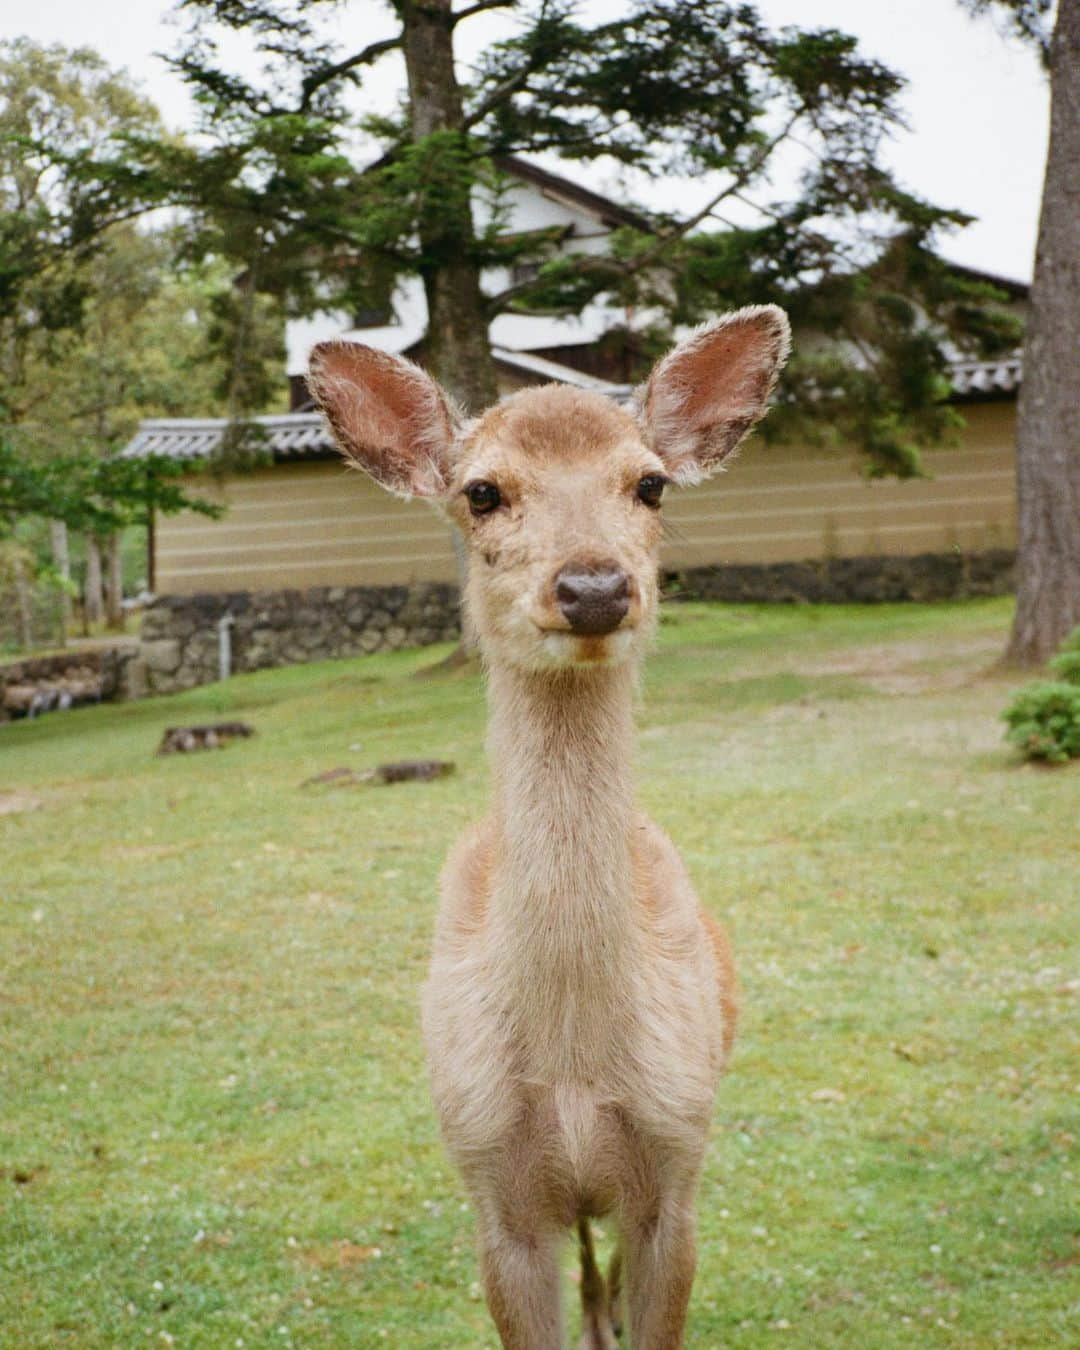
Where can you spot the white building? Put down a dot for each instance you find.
(528, 348)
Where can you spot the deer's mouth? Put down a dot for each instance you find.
(564, 647)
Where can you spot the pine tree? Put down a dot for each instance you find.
(673, 89)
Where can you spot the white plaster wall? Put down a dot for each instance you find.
(529, 208)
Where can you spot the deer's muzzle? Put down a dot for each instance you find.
(593, 600)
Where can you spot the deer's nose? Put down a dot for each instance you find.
(594, 600)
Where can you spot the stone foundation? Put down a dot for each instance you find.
(279, 628)
(868, 580)
(180, 643)
(67, 679)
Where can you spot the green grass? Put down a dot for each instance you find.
(214, 1123)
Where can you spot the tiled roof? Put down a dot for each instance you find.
(288, 436)
(986, 377)
(303, 435)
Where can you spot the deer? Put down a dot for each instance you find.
(581, 1003)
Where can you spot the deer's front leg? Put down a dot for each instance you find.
(520, 1267)
(659, 1256)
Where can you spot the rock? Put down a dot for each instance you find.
(411, 770)
(161, 656)
(20, 697)
(213, 737)
(135, 683)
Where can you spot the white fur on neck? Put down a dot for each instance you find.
(562, 926)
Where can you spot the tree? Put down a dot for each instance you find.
(1048, 424)
(88, 494)
(691, 89)
(102, 320)
(151, 342)
(53, 229)
(54, 104)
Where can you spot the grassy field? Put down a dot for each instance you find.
(214, 1124)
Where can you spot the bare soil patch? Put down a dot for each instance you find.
(920, 666)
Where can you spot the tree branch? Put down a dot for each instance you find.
(513, 83)
(478, 8)
(370, 53)
(497, 303)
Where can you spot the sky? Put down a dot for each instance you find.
(976, 104)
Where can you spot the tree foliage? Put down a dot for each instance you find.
(54, 104)
(1030, 20)
(672, 89)
(91, 494)
(325, 207)
(104, 320)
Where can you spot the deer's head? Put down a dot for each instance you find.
(557, 492)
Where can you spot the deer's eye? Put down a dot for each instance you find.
(650, 489)
(483, 497)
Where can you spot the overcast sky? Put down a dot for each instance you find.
(977, 104)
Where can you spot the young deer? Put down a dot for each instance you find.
(581, 1003)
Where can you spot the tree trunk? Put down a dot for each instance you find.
(114, 589)
(93, 600)
(58, 538)
(1048, 433)
(457, 351)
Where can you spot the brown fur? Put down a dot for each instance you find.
(581, 1003)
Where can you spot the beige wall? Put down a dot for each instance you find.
(318, 524)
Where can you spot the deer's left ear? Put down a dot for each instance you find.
(705, 395)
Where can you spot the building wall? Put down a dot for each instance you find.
(302, 525)
(784, 504)
(318, 524)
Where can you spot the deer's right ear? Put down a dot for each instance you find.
(388, 416)
(707, 393)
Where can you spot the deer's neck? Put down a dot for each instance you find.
(562, 908)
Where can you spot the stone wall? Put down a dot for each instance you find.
(868, 580)
(66, 679)
(281, 628)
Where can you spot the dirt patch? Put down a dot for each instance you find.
(14, 802)
(917, 667)
(144, 852)
(340, 1255)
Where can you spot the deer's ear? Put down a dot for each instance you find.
(388, 416)
(705, 395)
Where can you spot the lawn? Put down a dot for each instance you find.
(214, 1123)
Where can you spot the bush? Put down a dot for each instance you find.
(1044, 721)
(1072, 642)
(1066, 665)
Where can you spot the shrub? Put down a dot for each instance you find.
(1044, 721)
(1066, 665)
(1072, 642)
